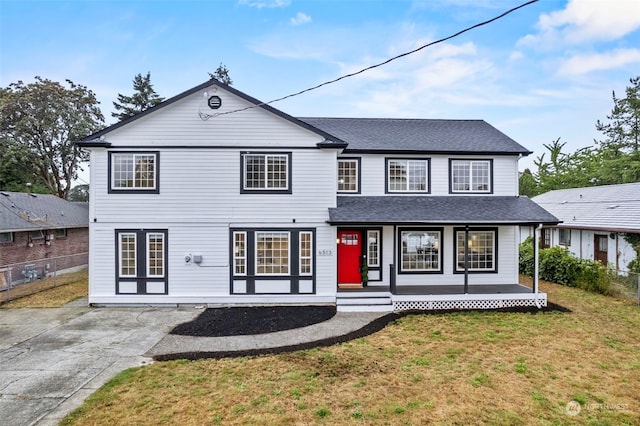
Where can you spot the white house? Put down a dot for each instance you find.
(594, 220)
(212, 197)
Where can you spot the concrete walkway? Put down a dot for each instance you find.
(52, 359)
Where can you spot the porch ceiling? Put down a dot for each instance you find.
(439, 210)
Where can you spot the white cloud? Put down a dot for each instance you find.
(583, 64)
(300, 18)
(584, 21)
(260, 4)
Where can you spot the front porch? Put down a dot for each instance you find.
(438, 297)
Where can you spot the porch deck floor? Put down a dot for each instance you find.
(410, 290)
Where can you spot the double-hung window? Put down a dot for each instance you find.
(266, 172)
(349, 175)
(481, 250)
(407, 175)
(564, 237)
(135, 172)
(471, 176)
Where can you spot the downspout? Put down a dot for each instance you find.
(536, 264)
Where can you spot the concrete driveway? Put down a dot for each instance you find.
(52, 359)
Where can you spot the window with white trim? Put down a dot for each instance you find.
(348, 173)
(127, 254)
(133, 171)
(481, 250)
(404, 175)
(564, 236)
(266, 172)
(272, 253)
(306, 253)
(155, 255)
(373, 248)
(471, 176)
(421, 251)
(60, 233)
(240, 253)
(6, 237)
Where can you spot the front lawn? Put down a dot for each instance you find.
(460, 368)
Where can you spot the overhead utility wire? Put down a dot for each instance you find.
(206, 116)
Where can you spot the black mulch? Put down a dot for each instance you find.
(219, 322)
(286, 314)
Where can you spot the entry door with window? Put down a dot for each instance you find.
(349, 256)
(601, 248)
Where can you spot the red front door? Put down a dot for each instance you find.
(349, 252)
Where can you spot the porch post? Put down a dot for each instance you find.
(536, 265)
(466, 259)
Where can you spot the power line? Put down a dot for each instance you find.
(205, 116)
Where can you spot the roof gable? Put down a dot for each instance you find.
(21, 212)
(99, 138)
(419, 135)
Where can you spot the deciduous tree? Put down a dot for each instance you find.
(42, 121)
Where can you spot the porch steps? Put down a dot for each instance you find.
(364, 302)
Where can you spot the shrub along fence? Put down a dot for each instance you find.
(557, 265)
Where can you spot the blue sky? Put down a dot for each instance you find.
(543, 72)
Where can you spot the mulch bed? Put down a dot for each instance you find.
(243, 321)
(259, 320)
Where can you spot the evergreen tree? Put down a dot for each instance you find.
(620, 151)
(144, 97)
(222, 75)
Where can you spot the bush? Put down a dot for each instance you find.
(526, 257)
(559, 266)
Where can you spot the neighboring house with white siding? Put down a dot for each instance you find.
(594, 221)
(212, 197)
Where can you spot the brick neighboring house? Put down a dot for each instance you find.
(40, 234)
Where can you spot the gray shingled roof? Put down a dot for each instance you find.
(439, 210)
(607, 208)
(418, 135)
(26, 212)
